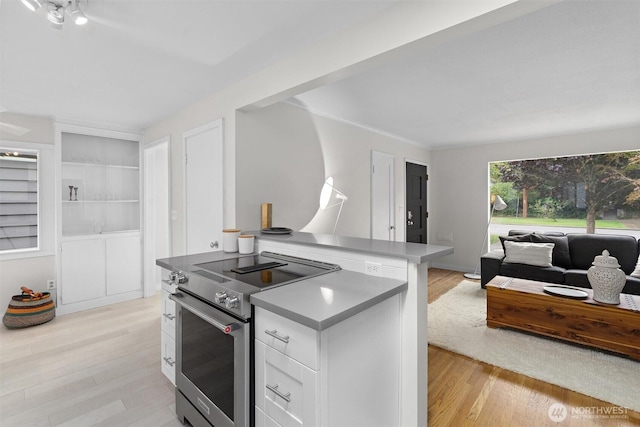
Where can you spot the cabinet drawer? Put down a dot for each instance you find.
(285, 390)
(293, 339)
(263, 420)
(168, 319)
(168, 352)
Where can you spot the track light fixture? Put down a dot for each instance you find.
(56, 10)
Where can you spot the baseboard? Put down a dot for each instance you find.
(450, 267)
(62, 309)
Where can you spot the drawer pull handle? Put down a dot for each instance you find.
(168, 316)
(169, 361)
(274, 334)
(274, 388)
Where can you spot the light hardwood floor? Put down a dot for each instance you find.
(101, 367)
(98, 367)
(465, 392)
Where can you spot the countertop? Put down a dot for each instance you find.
(317, 302)
(417, 253)
(323, 301)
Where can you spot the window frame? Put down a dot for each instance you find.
(45, 175)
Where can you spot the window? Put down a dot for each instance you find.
(18, 200)
(582, 193)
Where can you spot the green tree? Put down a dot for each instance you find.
(610, 180)
(527, 175)
(606, 177)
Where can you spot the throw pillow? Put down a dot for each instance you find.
(561, 256)
(516, 238)
(536, 254)
(636, 272)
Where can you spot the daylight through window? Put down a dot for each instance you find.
(18, 199)
(581, 193)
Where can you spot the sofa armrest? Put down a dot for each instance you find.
(490, 265)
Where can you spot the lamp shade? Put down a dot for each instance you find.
(499, 204)
(325, 193)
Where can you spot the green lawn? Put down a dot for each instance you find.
(557, 223)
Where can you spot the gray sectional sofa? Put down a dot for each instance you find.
(572, 256)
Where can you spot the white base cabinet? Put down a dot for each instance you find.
(168, 329)
(97, 270)
(346, 375)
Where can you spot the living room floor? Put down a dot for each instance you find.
(101, 367)
(465, 392)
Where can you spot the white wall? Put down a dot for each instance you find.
(284, 155)
(459, 183)
(32, 269)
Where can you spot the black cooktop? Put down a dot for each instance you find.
(265, 270)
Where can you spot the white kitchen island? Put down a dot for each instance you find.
(407, 262)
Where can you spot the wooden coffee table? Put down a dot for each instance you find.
(523, 304)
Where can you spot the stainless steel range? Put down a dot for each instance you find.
(214, 335)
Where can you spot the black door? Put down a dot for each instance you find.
(416, 214)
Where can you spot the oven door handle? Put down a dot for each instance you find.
(205, 312)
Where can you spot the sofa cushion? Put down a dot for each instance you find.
(523, 271)
(632, 286)
(636, 272)
(561, 255)
(537, 254)
(515, 238)
(577, 278)
(585, 247)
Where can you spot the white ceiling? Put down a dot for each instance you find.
(138, 61)
(567, 67)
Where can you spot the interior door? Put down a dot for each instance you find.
(203, 188)
(416, 214)
(382, 196)
(157, 240)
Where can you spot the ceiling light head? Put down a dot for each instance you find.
(56, 10)
(33, 5)
(76, 13)
(78, 17)
(55, 15)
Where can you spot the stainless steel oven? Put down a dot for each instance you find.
(213, 365)
(214, 333)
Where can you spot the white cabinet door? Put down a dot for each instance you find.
(83, 270)
(123, 264)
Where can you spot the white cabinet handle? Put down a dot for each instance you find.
(274, 334)
(274, 388)
(168, 316)
(169, 361)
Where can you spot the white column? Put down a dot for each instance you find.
(414, 348)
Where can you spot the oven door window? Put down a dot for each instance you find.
(207, 361)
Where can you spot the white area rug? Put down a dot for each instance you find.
(457, 322)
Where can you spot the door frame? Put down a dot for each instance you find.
(404, 172)
(218, 123)
(149, 254)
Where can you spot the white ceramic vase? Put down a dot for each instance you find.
(606, 279)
